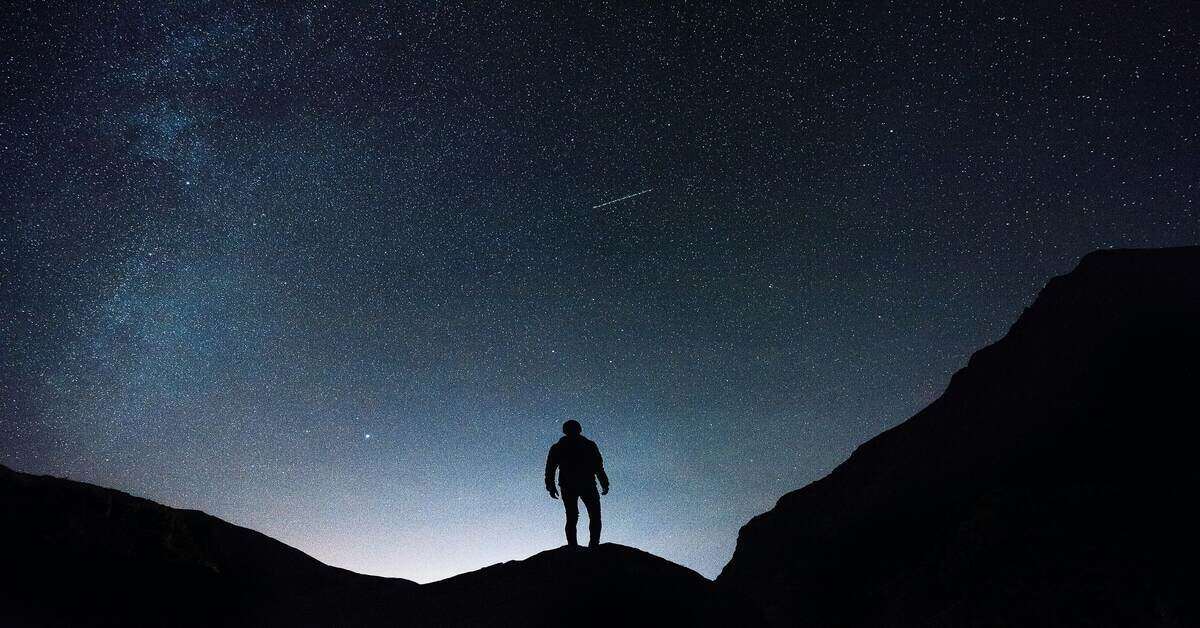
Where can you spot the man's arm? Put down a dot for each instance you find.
(551, 467)
(603, 477)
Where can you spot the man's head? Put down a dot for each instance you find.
(572, 428)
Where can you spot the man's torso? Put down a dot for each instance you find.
(577, 461)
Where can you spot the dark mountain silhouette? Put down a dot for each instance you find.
(82, 555)
(611, 585)
(1051, 484)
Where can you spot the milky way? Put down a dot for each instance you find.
(339, 275)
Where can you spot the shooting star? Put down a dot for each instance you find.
(618, 200)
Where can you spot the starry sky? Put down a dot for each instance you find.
(339, 273)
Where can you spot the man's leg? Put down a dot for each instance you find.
(571, 501)
(591, 500)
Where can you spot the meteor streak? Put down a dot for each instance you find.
(617, 200)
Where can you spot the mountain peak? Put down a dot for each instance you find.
(609, 585)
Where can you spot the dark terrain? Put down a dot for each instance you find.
(82, 555)
(612, 585)
(1051, 484)
(78, 554)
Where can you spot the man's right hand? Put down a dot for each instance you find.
(553, 492)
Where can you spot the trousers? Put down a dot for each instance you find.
(591, 501)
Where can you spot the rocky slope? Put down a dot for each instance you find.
(1051, 484)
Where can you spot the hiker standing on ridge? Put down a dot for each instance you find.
(579, 464)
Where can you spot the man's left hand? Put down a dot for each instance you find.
(604, 490)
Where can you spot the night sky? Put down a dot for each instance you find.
(339, 275)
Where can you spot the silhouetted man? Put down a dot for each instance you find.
(578, 462)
